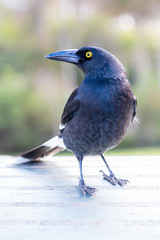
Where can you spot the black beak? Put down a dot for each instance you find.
(65, 56)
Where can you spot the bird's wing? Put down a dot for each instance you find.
(70, 108)
(134, 107)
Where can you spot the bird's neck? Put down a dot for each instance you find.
(98, 88)
(102, 81)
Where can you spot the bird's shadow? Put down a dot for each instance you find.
(50, 175)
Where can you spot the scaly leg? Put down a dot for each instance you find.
(83, 187)
(112, 178)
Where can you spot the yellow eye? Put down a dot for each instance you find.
(88, 54)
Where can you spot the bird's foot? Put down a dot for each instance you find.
(86, 189)
(113, 180)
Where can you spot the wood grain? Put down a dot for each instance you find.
(42, 200)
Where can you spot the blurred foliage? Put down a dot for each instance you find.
(33, 90)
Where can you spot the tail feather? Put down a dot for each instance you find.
(50, 147)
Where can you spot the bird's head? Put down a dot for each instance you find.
(93, 61)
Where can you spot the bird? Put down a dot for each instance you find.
(97, 114)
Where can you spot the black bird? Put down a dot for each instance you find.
(97, 114)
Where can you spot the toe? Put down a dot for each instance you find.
(109, 178)
(87, 190)
(122, 182)
(91, 191)
(113, 180)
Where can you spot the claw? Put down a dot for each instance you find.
(86, 189)
(113, 180)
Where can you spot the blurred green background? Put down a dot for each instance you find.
(33, 90)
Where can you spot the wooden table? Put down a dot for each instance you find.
(42, 201)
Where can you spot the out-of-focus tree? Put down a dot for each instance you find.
(33, 90)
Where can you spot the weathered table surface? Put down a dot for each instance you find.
(42, 200)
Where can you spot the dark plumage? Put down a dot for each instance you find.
(97, 114)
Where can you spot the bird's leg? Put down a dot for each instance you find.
(112, 178)
(83, 187)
